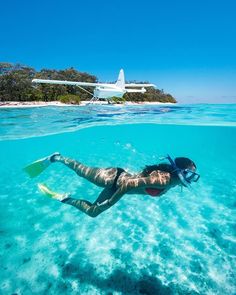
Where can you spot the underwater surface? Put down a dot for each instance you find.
(181, 243)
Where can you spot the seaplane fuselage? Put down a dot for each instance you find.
(102, 92)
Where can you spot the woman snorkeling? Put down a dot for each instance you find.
(154, 180)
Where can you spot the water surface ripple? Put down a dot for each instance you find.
(38, 121)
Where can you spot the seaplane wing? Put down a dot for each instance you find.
(83, 84)
(143, 90)
(139, 85)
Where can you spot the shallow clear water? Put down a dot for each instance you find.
(181, 243)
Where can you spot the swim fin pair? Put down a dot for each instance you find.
(37, 167)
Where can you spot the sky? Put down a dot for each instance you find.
(186, 47)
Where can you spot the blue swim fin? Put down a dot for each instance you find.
(37, 167)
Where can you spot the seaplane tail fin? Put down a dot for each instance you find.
(121, 80)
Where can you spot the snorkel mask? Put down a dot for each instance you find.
(186, 176)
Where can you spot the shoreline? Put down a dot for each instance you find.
(32, 104)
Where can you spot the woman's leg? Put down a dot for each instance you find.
(88, 208)
(84, 206)
(99, 176)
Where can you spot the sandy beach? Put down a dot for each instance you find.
(30, 104)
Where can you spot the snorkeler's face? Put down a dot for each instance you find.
(186, 176)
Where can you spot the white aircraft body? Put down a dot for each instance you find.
(103, 90)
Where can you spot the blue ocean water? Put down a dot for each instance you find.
(181, 243)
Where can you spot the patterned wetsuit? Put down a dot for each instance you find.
(94, 209)
(108, 179)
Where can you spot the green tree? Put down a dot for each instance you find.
(15, 83)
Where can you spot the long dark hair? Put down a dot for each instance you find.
(181, 162)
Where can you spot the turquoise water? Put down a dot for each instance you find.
(181, 243)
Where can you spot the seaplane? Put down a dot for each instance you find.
(103, 90)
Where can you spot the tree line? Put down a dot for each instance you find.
(16, 85)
